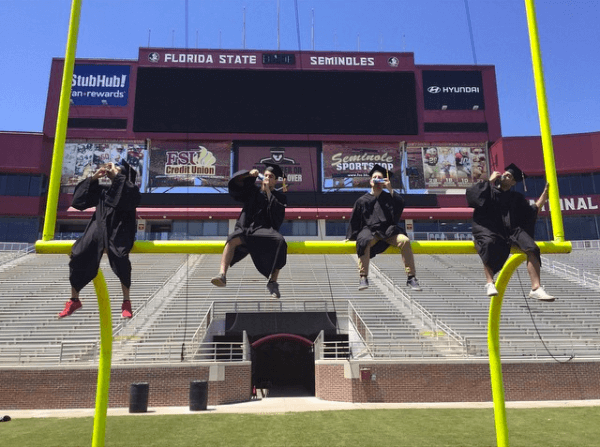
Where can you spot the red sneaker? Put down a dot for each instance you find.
(70, 307)
(126, 309)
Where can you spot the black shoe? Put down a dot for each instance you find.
(273, 289)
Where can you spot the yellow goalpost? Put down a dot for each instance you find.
(48, 245)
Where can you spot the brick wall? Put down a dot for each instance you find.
(451, 382)
(54, 388)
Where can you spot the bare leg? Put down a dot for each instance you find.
(489, 274)
(228, 254)
(74, 294)
(533, 268)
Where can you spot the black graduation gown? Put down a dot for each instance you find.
(258, 225)
(111, 228)
(501, 219)
(375, 216)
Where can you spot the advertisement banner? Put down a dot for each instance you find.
(299, 163)
(100, 85)
(453, 90)
(189, 167)
(445, 165)
(83, 158)
(346, 166)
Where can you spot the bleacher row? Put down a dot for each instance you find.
(171, 294)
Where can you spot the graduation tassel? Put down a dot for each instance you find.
(284, 187)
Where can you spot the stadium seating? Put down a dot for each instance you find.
(172, 293)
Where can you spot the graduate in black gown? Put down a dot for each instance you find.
(257, 228)
(503, 218)
(111, 230)
(374, 227)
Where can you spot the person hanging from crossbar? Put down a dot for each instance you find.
(111, 230)
(257, 228)
(502, 218)
(374, 227)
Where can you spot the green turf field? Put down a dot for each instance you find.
(542, 427)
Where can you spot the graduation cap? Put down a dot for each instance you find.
(378, 168)
(129, 172)
(275, 169)
(517, 174)
(277, 172)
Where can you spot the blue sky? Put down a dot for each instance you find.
(32, 32)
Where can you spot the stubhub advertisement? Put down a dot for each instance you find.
(100, 85)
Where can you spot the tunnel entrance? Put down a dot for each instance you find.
(282, 353)
(283, 365)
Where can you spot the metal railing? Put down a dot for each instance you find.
(222, 307)
(586, 245)
(572, 273)
(85, 352)
(167, 289)
(17, 246)
(13, 250)
(359, 324)
(438, 327)
(415, 350)
(202, 330)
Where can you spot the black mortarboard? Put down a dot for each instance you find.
(128, 171)
(516, 172)
(378, 168)
(275, 169)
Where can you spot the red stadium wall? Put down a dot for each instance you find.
(21, 153)
(575, 153)
(54, 388)
(452, 382)
(22, 206)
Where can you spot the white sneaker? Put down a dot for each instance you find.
(540, 294)
(490, 289)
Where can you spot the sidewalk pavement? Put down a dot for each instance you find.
(272, 405)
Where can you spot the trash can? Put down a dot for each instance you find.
(198, 395)
(138, 398)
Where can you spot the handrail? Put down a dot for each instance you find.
(361, 327)
(37, 354)
(570, 272)
(17, 250)
(432, 321)
(586, 245)
(168, 287)
(202, 330)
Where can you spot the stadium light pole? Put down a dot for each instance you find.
(61, 124)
